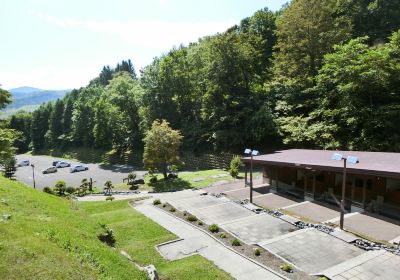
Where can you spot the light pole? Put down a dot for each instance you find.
(251, 153)
(33, 175)
(350, 159)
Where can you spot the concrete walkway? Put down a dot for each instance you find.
(236, 265)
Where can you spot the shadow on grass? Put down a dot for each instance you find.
(168, 185)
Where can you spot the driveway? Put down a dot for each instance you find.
(99, 173)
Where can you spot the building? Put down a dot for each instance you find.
(371, 184)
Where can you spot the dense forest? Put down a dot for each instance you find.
(316, 74)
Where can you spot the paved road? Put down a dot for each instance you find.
(99, 173)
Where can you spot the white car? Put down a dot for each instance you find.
(23, 163)
(62, 164)
(77, 168)
(50, 169)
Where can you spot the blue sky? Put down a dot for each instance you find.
(60, 44)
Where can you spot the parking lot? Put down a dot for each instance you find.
(99, 173)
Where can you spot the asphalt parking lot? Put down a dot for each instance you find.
(99, 173)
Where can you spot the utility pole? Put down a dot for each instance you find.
(343, 193)
(33, 175)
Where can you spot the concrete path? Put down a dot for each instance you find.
(236, 265)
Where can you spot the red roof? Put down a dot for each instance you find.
(370, 163)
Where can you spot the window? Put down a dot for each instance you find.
(369, 184)
(359, 183)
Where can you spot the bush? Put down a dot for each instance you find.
(109, 198)
(322, 278)
(107, 236)
(133, 187)
(153, 180)
(47, 190)
(222, 235)
(156, 201)
(172, 209)
(286, 267)
(234, 167)
(70, 190)
(257, 252)
(185, 213)
(201, 223)
(172, 176)
(213, 228)
(164, 205)
(60, 187)
(191, 218)
(236, 242)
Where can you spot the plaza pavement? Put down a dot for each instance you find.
(198, 242)
(312, 251)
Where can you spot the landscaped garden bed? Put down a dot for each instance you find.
(253, 252)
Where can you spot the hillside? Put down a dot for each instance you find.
(52, 238)
(29, 98)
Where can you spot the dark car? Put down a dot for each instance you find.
(138, 182)
(56, 162)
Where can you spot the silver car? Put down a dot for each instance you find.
(62, 164)
(23, 163)
(77, 168)
(50, 169)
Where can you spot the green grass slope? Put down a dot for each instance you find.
(138, 235)
(53, 238)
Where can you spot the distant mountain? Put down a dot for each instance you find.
(29, 98)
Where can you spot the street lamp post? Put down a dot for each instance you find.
(251, 153)
(33, 175)
(350, 159)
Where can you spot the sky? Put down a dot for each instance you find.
(63, 44)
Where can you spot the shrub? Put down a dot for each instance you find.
(153, 180)
(185, 213)
(164, 205)
(257, 252)
(236, 242)
(60, 187)
(201, 223)
(107, 236)
(70, 190)
(191, 218)
(222, 235)
(133, 187)
(234, 167)
(47, 190)
(322, 278)
(286, 267)
(213, 228)
(156, 201)
(109, 198)
(172, 209)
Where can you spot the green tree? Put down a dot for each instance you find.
(234, 167)
(161, 146)
(108, 186)
(56, 128)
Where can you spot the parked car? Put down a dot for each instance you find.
(56, 162)
(50, 169)
(23, 163)
(62, 164)
(77, 168)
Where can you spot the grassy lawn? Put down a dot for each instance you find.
(186, 180)
(138, 235)
(48, 237)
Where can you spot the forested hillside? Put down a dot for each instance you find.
(316, 74)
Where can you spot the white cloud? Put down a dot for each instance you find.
(160, 35)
